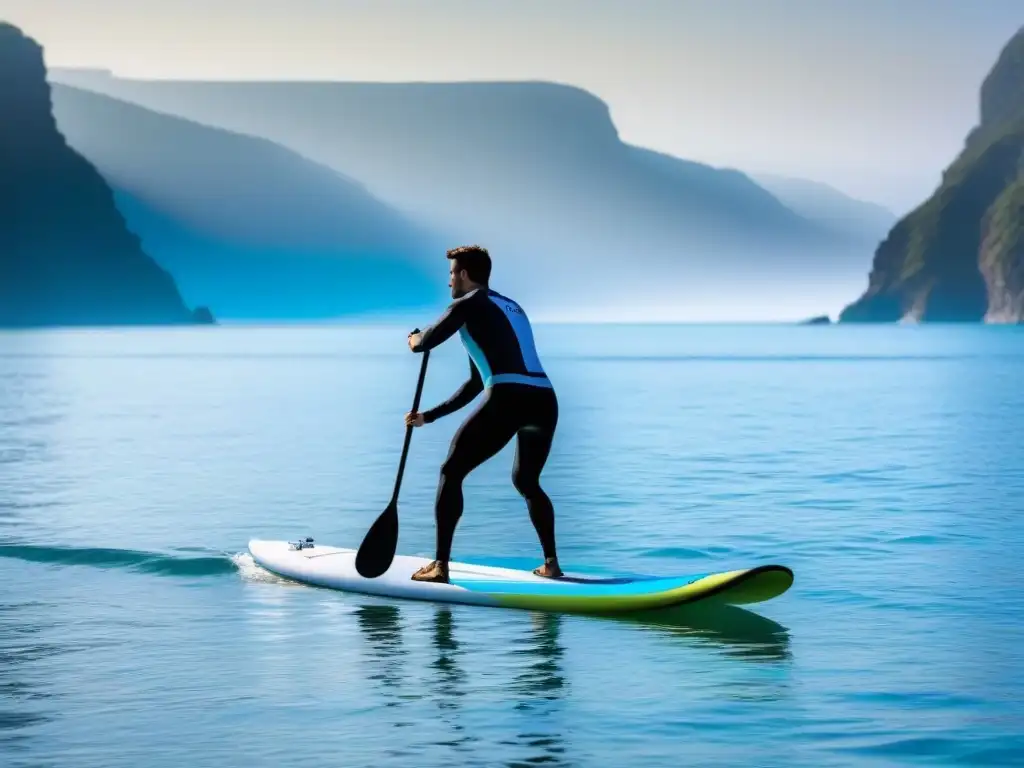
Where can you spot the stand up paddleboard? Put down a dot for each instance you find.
(334, 567)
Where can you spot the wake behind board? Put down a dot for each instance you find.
(334, 567)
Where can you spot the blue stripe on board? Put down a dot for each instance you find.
(576, 588)
(579, 572)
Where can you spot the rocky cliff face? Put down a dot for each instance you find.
(1002, 257)
(1002, 92)
(66, 255)
(538, 173)
(248, 226)
(959, 257)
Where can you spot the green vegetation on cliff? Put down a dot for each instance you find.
(958, 257)
(1002, 256)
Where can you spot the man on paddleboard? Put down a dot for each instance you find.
(519, 400)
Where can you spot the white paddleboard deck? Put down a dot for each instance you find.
(334, 568)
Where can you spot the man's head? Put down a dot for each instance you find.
(469, 268)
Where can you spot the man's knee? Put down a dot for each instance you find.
(453, 470)
(527, 483)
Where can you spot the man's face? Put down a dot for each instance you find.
(457, 279)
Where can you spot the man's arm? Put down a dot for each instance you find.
(463, 395)
(442, 330)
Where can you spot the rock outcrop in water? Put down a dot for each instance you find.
(959, 257)
(817, 320)
(66, 255)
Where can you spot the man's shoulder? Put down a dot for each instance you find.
(499, 296)
(484, 300)
(493, 295)
(468, 300)
(461, 301)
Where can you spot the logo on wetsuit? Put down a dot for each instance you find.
(513, 308)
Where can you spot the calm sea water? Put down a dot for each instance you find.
(884, 465)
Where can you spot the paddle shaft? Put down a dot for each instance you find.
(409, 429)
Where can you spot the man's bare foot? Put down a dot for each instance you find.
(550, 569)
(432, 571)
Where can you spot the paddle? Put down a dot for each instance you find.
(378, 548)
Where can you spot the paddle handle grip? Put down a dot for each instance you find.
(409, 429)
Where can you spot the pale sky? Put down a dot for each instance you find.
(871, 96)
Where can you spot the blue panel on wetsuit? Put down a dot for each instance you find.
(476, 355)
(518, 378)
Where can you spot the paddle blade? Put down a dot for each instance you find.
(378, 548)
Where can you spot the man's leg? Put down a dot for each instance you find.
(533, 446)
(487, 430)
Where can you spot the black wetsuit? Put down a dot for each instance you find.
(519, 401)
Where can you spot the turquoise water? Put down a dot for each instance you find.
(884, 465)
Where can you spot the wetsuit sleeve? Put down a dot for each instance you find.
(463, 395)
(442, 330)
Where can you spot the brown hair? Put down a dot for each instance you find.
(474, 259)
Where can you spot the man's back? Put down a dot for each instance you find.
(497, 334)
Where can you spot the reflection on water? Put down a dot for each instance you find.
(541, 678)
(537, 682)
(540, 687)
(448, 685)
(382, 627)
(537, 687)
(735, 631)
(449, 675)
